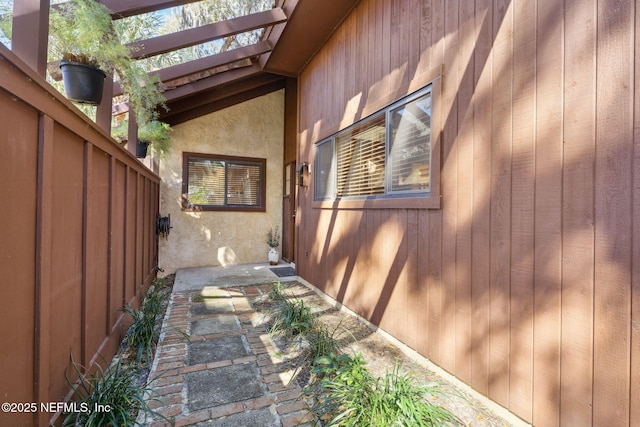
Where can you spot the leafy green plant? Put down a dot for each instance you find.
(293, 318)
(278, 291)
(324, 347)
(156, 133)
(143, 333)
(273, 237)
(109, 397)
(81, 31)
(349, 395)
(343, 392)
(322, 341)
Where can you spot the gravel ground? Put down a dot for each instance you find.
(381, 356)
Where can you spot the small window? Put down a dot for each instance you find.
(214, 182)
(384, 156)
(324, 171)
(287, 180)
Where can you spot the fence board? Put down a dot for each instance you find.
(117, 277)
(44, 282)
(65, 269)
(18, 186)
(96, 233)
(634, 416)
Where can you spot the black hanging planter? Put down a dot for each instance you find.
(82, 83)
(141, 149)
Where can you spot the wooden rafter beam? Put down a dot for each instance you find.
(126, 8)
(206, 84)
(225, 98)
(274, 35)
(222, 91)
(210, 62)
(206, 33)
(212, 82)
(30, 32)
(213, 61)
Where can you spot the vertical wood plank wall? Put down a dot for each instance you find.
(525, 284)
(77, 241)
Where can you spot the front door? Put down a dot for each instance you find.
(288, 213)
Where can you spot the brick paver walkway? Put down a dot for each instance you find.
(227, 373)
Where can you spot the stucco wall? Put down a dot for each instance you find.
(254, 129)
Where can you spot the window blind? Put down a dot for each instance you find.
(360, 154)
(223, 183)
(206, 182)
(243, 184)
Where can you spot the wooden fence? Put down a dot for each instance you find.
(77, 240)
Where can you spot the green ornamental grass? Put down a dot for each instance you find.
(143, 333)
(109, 397)
(351, 396)
(293, 318)
(343, 392)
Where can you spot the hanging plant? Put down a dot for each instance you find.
(81, 32)
(153, 133)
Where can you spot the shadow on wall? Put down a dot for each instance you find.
(521, 285)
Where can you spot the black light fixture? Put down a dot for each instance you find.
(303, 171)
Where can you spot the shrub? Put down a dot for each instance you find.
(344, 392)
(143, 332)
(348, 395)
(277, 291)
(107, 398)
(293, 318)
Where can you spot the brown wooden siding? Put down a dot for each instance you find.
(77, 240)
(526, 283)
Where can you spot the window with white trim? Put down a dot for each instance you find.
(385, 155)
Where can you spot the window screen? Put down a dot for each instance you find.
(410, 145)
(324, 172)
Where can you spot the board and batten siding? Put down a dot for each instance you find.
(77, 242)
(525, 283)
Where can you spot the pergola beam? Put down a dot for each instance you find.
(206, 33)
(276, 31)
(30, 33)
(208, 63)
(214, 92)
(214, 61)
(206, 84)
(212, 82)
(226, 98)
(126, 8)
